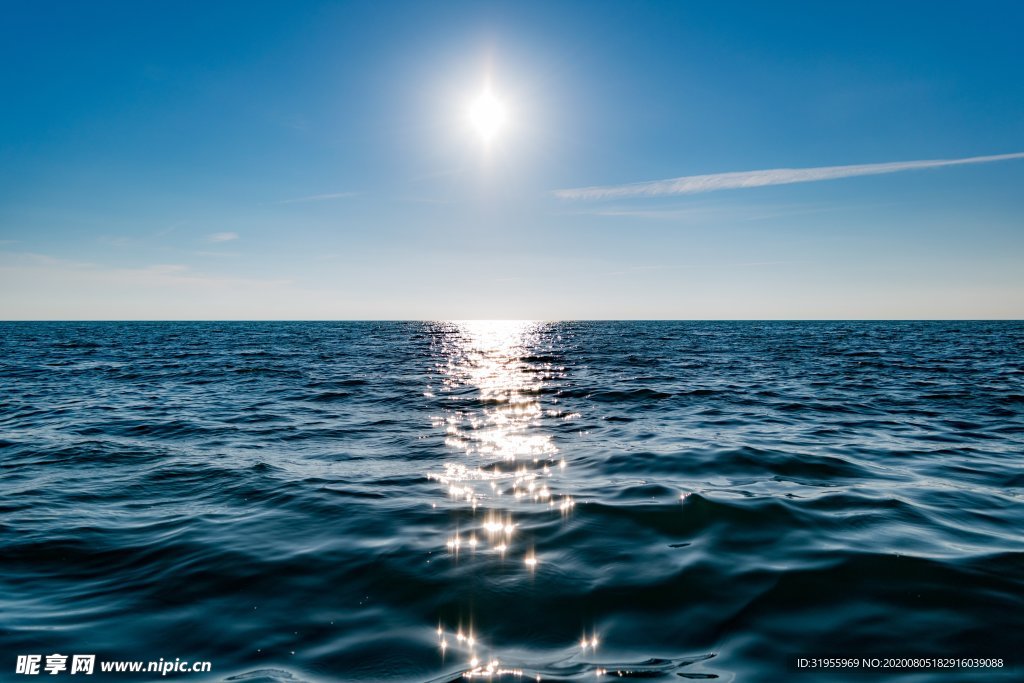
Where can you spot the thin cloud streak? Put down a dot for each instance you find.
(699, 266)
(222, 237)
(319, 197)
(695, 184)
(41, 287)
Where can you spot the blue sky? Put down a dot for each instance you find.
(313, 160)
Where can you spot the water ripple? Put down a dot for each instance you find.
(569, 501)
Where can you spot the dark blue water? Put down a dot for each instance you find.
(335, 501)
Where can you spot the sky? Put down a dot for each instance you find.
(689, 160)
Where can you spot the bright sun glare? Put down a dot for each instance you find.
(487, 115)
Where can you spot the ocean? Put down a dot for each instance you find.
(564, 501)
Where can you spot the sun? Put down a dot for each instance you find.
(487, 115)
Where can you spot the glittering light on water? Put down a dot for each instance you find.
(590, 642)
(479, 666)
(493, 376)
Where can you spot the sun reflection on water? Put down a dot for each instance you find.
(492, 377)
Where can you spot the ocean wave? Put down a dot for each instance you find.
(322, 502)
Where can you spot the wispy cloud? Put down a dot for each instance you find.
(698, 266)
(698, 212)
(222, 237)
(39, 287)
(319, 197)
(424, 200)
(695, 184)
(217, 254)
(117, 241)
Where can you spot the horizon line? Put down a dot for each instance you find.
(7, 321)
